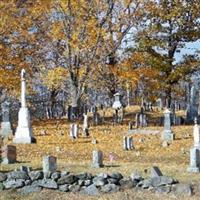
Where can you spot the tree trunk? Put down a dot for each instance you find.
(75, 102)
(168, 98)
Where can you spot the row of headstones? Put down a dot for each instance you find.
(9, 156)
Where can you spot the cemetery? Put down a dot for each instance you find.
(99, 100)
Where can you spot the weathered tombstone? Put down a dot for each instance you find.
(49, 164)
(117, 101)
(97, 159)
(128, 143)
(25, 169)
(5, 130)
(195, 150)
(142, 120)
(74, 129)
(85, 125)
(24, 132)
(9, 154)
(159, 103)
(117, 106)
(155, 172)
(194, 161)
(167, 134)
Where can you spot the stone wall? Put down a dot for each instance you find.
(26, 181)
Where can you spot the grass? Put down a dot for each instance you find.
(75, 155)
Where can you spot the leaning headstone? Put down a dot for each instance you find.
(97, 159)
(5, 130)
(24, 131)
(155, 172)
(74, 131)
(49, 164)
(167, 134)
(9, 154)
(195, 150)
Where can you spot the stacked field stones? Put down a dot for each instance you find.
(27, 181)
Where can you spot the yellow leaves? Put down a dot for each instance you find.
(54, 79)
(56, 31)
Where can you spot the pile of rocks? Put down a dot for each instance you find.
(26, 181)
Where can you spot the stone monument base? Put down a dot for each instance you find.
(23, 134)
(194, 160)
(23, 131)
(167, 136)
(193, 169)
(24, 140)
(6, 130)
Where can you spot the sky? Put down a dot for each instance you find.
(189, 49)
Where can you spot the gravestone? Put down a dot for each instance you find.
(49, 164)
(159, 104)
(117, 101)
(155, 172)
(24, 132)
(74, 129)
(85, 125)
(167, 134)
(137, 120)
(9, 154)
(195, 150)
(97, 159)
(5, 130)
(142, 120)
(128, 143)
(117, 106)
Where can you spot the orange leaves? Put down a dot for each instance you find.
(54, 79)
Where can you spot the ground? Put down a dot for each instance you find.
(75, 155)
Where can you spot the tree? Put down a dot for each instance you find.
(86, 34)
(17, 17)
(166, 28)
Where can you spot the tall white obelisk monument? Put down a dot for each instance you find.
(23, 133)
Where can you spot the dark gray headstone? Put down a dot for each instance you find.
(155, 171)
(9, 154)
(97, 159)
(49, 164)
